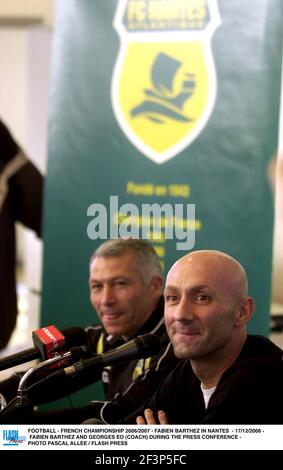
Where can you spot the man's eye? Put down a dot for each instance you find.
(202, 298)
(170, 298)
(120, 283)
(95, 286)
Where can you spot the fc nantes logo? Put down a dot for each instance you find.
(164, 82)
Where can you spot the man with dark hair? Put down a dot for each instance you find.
(125, 290)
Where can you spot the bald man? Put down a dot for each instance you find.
(226, 376)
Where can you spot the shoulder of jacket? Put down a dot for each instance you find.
(95, 328)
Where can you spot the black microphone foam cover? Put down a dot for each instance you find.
(74, 336)
(148, 343)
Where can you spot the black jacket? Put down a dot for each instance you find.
(128, 384)
(21, 187)
(249, 392)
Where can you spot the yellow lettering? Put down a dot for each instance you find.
(200, 11)
(136, 11)
(160, 190)
(179, 190)
(162, 10)
(146, 189)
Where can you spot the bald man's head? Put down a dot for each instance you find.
(216, 266)
(206, 303)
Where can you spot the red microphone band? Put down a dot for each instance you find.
(49, 341)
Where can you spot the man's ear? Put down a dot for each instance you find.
(156, 286)
(245, 310)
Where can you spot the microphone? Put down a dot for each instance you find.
(141, 347)
(48, 342)
(83, 373)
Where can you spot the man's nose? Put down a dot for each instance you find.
(184, 311)
(108, 295)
